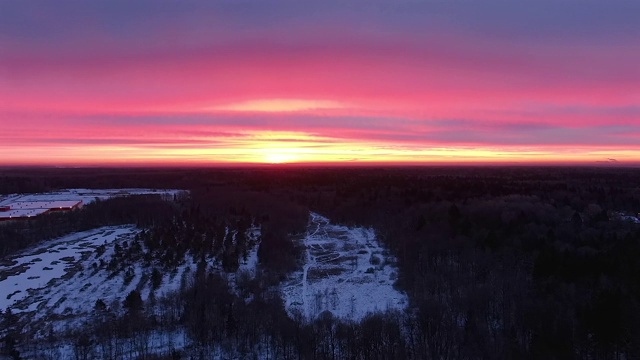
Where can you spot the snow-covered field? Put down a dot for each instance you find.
(57, 275)
(57, 283)
(63, 278)
(346, 272)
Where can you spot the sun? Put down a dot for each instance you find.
(279, 158)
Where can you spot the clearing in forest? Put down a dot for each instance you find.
(346, 271)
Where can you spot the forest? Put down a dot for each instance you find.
(497, 262)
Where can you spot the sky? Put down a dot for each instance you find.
(155, 82)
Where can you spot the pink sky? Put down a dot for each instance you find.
(90, 83)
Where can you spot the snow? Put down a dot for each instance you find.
(51, 273)
(346, 272)
(59, 281)
(250, 263)
(626, 217)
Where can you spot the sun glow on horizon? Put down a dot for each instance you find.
(233, 147)
(279, 158)
(300, 147)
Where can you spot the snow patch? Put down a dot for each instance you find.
(346, 272)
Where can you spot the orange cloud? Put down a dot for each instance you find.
(277, 105)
